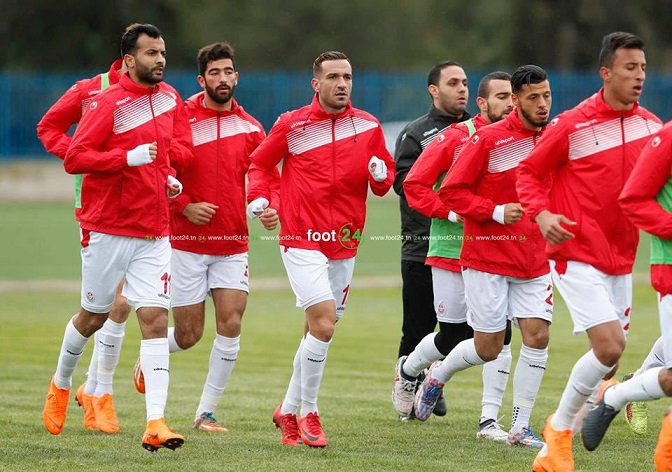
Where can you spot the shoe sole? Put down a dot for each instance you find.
(172, 444)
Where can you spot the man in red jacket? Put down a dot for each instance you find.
(123, 145)
(589, 152)
(52, 130)
(420, 188)
(209, 227)
(505, 270)
(333, 154)
(647, 201)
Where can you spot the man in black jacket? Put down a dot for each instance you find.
(447, 85)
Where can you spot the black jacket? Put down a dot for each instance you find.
(411, 141)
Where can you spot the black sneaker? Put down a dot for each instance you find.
(598, 419)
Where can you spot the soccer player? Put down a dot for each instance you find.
(123, 145)
(495, 103)
(209, 230)
(447, 86)
(95, 396)
(589, 152)
(646, 200)
(505, 270)
(333, 154)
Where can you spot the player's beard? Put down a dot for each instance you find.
(495, 118)
(532, 119)
(217, 98)
(146, 75)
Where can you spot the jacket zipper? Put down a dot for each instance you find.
(156, 170)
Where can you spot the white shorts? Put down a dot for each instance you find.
(315, 279)
(493, 299)
(450, 303)
(194, 275)
(593, 297)
(665, 313)
(107, 258)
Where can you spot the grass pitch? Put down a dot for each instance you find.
(363, 432)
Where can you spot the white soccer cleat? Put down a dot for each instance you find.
(403, 392)
(491, 430)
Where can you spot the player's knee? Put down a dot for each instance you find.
(230, 326)
(665, 379)
(187, 339)
(608, 353)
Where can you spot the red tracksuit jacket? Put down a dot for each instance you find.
(53, 127)
(223, 142)
(483, 176)
(589, 151)
(325, 176)
(118, 199)
(652, 172)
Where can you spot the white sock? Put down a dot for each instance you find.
(154, 358)
(92, 373)
(172, 343)
(526, 382)
(495, 378)
(422, 356)
(71, 351)
(460, 358)
(108, 344)
(655, 358)
(641, 388)
(586, 374)
(222, 360)
(292, 399)
(313, 358)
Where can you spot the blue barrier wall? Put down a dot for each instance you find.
(390, 97)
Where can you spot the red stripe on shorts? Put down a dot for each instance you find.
(561, 267)
(86, 237)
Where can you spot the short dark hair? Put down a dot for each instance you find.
(327, 56)
(484, 84)
(129, 40)
(214, 52)
(618, 40)
(435, 73)
(527, 75)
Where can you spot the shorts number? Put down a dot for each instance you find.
(166, 282)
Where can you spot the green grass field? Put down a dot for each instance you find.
(40, 242)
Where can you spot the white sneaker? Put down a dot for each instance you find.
(492, 431)
(403, 392)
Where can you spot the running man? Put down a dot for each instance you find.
(589, 151)
(95, 396)
(505, 270)
(445, 241)
(208, 225)
(333, 154)
(447, 86)
(647, 201)
(123, 145)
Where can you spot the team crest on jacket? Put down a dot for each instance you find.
(554, 121)
(93, 105)
(655, 142)
(475, 139)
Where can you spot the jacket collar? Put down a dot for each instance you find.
(596, 104)
(126, 82)
(438, 115)
(113, 74)
(196, 102)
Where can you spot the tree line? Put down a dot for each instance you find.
(384, 35)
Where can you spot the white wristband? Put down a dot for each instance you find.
(498, 214)
(452, 216)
